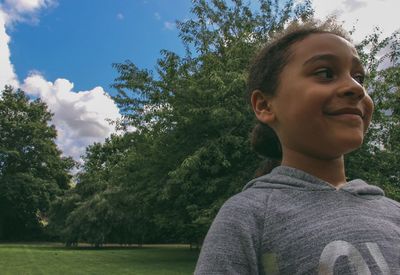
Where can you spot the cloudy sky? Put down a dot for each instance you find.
(62, 51)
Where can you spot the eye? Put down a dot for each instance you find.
(359, 78)
(325, 74)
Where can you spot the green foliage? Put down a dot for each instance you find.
(32, 170)
(377, 161)
(190, 150)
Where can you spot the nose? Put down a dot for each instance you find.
(351, 89)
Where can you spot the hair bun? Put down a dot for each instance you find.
(265, 142)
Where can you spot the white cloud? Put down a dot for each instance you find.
(7, 74)
(81, 118)
(27, 5)
(363, 14)
(157, 16)
(352, 5)
(12, 11)
(169, 25)
(24, 10)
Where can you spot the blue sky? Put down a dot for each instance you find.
(79, 41)
(62, 51)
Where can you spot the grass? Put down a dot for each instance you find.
(35, 259)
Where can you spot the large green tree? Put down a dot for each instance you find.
(32, 170)
(195, 114)
(97, 209)
(190, 149)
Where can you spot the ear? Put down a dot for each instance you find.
(262, 107)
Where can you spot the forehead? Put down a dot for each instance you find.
(322, 43)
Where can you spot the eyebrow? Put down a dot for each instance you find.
(332, 58)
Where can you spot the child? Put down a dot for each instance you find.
(306, 90)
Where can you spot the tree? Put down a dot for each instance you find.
(194, 115)
(190, 150)
(32, 170)
(198, 123)
(377, 161)
(102, 207)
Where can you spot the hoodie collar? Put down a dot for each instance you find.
(285, 177)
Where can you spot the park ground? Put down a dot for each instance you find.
(51, 258)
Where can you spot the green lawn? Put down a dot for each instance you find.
(52, 259)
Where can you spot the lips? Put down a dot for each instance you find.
(346, 111)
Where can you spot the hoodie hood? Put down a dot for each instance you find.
(284, 177)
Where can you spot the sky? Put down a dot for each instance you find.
(63, 50)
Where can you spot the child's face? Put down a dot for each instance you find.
(321, 108)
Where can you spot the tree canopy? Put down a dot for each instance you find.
(32, 170)
(189, 150)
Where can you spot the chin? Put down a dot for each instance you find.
(343, 145)
(352, 145)
(350, 138)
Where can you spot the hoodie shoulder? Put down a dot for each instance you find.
(251, 202)
(234, 240)
(392, 203)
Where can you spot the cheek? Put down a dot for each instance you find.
(369, 109)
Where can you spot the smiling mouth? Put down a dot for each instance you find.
(350, 113)
(353, 120)
(348, 116)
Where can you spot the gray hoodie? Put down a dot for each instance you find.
(290, 222)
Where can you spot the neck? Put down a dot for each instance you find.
(329, 170)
